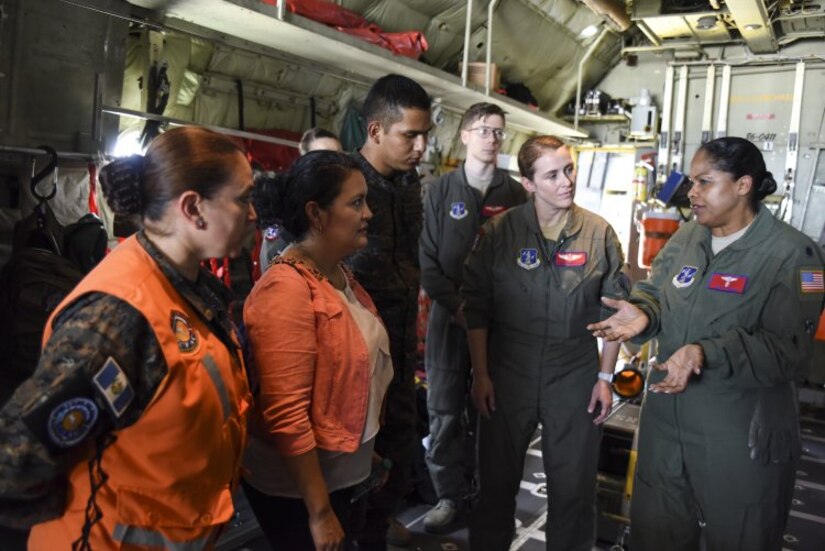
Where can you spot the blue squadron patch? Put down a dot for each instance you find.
(184, 333)
(528, 259)
(71, 421)
(271, 233)
(458, 210)
(113, 384)
(685, 277)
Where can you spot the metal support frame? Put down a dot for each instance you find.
(811, 180)
(467, 30)
(707, 115)
(488, 72)
(664, 134)
(144, 22)
(724, 102)
(679, 123)
(62, 155)
(121, 112)
(792, 153)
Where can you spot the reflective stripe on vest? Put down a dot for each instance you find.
(134, 535)
(215, 375)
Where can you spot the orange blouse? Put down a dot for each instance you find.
(312, 362)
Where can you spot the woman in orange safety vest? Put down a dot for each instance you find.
(129, 435)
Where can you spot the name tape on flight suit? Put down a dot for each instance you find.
(113, 384)
(728, 283)
(489, 211)
(571, 258)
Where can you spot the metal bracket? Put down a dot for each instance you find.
(724, 101)
(792, 154)
(664, 136)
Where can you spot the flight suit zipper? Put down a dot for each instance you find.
(549, 261)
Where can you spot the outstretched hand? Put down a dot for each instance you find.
(685, 362)
(626, 323)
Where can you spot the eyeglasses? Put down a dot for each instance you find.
(486, 132)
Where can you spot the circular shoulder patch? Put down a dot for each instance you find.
(71, 421)
(271, 233)
(184, 333)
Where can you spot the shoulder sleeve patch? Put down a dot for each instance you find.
(114, 386)
(811, 281)
(70, 422)
(64, 415)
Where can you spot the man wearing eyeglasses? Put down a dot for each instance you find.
(455, 207)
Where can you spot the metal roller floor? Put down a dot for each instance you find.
(805, 531)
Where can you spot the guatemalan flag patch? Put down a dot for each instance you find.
(113, 384)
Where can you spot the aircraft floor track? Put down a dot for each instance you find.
(805, 530)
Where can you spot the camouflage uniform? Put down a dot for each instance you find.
(96, 326)
(388, 269)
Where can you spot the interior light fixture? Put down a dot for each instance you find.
(706, 22)
(753, 26)
(588, 31)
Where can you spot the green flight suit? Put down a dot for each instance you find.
(536, 298)
(753, 308)
(453, 212)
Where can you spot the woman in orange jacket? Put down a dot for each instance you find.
(130, 432)
(321, 354)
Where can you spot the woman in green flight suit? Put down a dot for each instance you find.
(733, 298)
(531, 285)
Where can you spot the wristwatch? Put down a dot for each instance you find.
(606, 377)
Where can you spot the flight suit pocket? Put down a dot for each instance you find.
(162, 519)
(516, 291)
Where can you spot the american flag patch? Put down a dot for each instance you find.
(811, 281)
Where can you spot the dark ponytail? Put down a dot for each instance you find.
(186, 158)
(739, 157)
(122, 183)
(281, 199)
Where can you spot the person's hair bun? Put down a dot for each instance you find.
(268, 197)
(766, 186)
(122, 182)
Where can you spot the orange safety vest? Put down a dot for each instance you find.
(171, 473)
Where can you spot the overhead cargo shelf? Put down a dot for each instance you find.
(258, 23)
